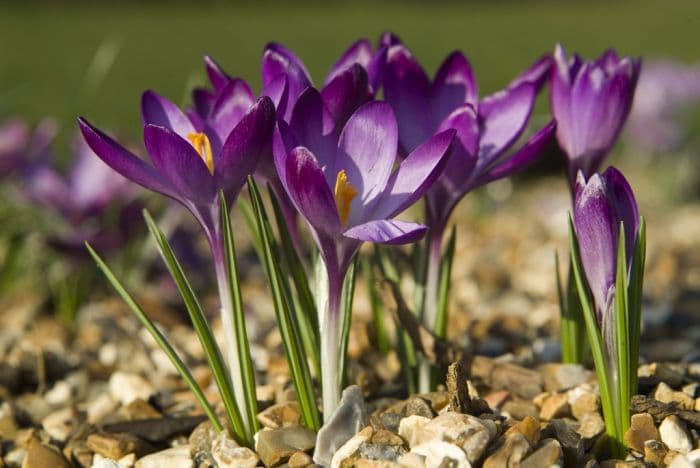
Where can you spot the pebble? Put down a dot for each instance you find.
(511, 453)
(671, 374)
(281, 415)
(228, 454)
(350, 447)
(569, 439)
(346, 421)
(548, 454)
(62, 423)
(275, 446)
(666, 394)
(126, 387)
(139, 409)
(100, 407)
(60, 394)
(520, 409)
(438, 453)
(116, 446)
(299, 460)
(200, 442)
(98, 461)
(558, 377)
(674, 434)
(555, 406)
(642, 429)
(8, 425)
(583, 400)
(43, 456)
(655, 452)
(528, 427)
(592, 424)
(176, 457)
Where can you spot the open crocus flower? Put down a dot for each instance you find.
(590, 102)
(192, 161)
(353, 80)
(601, 203)
(349, 189)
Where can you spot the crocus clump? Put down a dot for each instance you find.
(348, 190)
(590, 102)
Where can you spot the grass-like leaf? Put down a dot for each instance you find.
(346, 315)
(375, 301)
(444, 286)
(291, 339)
(160, 339)
(572, 328)
(247, 371)
(622, 342)
(204, 333)
(636, 285)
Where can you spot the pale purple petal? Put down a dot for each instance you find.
(360, 52)
(536, 74)
(454, 85)
(278, 60)
(232, 103)
(157, 110)
(387, 231)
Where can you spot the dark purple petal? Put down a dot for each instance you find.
(360, 52)
(232, 103)
(625, 205)
(536, 74)
(178, 161)
(278, 60)
(367, 152)
(308, 189)
(218, 78)
(407, 88)
(560, 100)
(345, 93)
(389, 39)
(312, 126)
(387, 231)
(157, 110)
(203, 102)
(504, 115)
(123, 161)
(247, 145)
(530, 151)
(415, 175)
(454, 85)
(278, 91)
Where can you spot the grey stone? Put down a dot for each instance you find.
(347, 420)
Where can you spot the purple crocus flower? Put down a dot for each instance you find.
(82, 198)
(590, 101)
(348, 189)
(601, 203)
(19, 147)
(192, 160)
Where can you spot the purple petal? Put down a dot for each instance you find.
(246, 146)
(178, 161)
(622, 199)
(346, 92)
(359, 52)
(312, 127)
(367, 152)
(415, 175)
(232, 103)
(203, 102)
(310, 192)
(536, 74)
(504, 117)
(406, 88)
(389, 39)
(387, 231)
(157, 110)
(278, 91)
(123, 161)
(454, 85)
(278, 60)
(560, 100)
(218, 78)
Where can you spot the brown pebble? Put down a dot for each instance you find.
(642, 428)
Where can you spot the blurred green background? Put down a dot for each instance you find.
(47, 48)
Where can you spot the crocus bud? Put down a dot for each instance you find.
(601, 203)
(590, 102)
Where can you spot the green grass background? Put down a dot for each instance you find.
(46, 47)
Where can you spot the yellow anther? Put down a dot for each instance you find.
(344, 194)
(201, 144)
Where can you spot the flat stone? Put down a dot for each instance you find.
(228, 454)
(42, 456)
(548, 454)
(281, 415)
(437, 453)
(555, 406)
(641, 430)
(666, 394)
(655, 452)
(528, 427)
(347, 420)
(511, 453)
(674, 434)
(116, 446)
(351, 446)
(176, 457)
(558, 377)
(275, 446)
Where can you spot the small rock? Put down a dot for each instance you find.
(681, 461)
(511, 453)
(116, 446)
(299, 460)
(350, 447)
(281, 415)
(520, 409)
(569, 439)
(265, 392)
(200, 442)
(60, 394)
(8, 425)
(417, 406)
(666, 394)
(674, 434)
(555, 406)
(100, 407)
(62, 423)
(692, 390)
(228, 454)
(438, 454)
(98, 461)
(275, 446)
(528, 427)
(592, 424)
(642, 429)
(383, 445)
(558, 377)
(548, 454)
(126, 387)
(347, 420)
(670, 373)
(411, 429)
(583, 401)
(176, 457)
(42, 456)
(139, 409)
(654, 452)
(15, 457)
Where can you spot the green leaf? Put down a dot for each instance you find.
(636, 286)
(375, 301)
(160, 339)
(291, 339)
(596, 342)
(204, 333)
(247, 371)
(249, 218)
(346, 315)
(622, 392)
(573, 328)
(444, 286)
